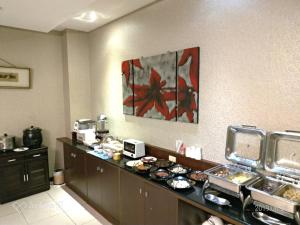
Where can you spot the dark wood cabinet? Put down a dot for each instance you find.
(23, 174)
(145, 204)
(132, 200)
(75, 170)
(93, 181)
(160, 206)
(122, 197)
(110, 183)
(103, 186)
(12, 180)
(37, 170)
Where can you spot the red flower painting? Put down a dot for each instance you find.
(162, 88)
(151, 96)
(186, 100)
(127, 80)
(188, 85)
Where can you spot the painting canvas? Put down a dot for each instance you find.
(163, 87)
(11, 77)
(188, 85)
(127, 83)
(155, 86)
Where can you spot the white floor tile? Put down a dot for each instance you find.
(93, 222)
(59, 195)
(38, 207)
(13, 219)
(7, 209)
(76, 212)
(59, 219)
(53, 207)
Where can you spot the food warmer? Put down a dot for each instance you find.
(245, 148)
(279, 192)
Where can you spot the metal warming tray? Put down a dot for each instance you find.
(280, 192)
(245, 147)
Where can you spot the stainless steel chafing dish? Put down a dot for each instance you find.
(280, 191)
(245, 147)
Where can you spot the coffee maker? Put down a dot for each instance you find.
(101, 131)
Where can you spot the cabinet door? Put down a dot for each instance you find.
(110, 185)
(12, 181)
(79, 181)
(68, 164)
(160, 206)
(132, 200)
(93, 181)
(37, 173)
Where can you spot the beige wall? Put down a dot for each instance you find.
(76, 77)
(43, 104)
(249, 67)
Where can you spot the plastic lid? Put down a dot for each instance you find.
(283, 153)
(33, 128)
(246, 145)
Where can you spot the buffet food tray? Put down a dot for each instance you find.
(275, 198)
(225, 176)
(280, 192)
(245, 148)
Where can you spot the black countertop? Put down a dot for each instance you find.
(194, 195)
(12, 153)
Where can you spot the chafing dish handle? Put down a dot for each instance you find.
(293, 131)
(297, 217)
(248, 126)
(268, 219)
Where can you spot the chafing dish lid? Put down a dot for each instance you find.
(283, 153)
(246, 145)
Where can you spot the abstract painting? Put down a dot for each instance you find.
(127, 83)
(188, 85)
(155, 86)
(163, 87)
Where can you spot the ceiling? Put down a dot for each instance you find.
(48, 15)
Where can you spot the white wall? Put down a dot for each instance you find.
(249, 67)
(43, 104)
(77, 81)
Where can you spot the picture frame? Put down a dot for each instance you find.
(15, 77)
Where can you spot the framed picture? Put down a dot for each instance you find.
(14, 77)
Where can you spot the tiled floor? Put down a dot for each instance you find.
(58, 206)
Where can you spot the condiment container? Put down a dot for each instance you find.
(117, 156)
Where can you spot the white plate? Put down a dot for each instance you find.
(149, 159)
(133, 163)
(21, 149)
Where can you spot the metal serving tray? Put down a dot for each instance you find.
(283, 160)
(224, 181)
(274, 198)
(283, 153)
(245, 147)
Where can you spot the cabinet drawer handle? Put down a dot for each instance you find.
(27, 177)
(141, 191)
(37, 155)
(11, 160)
(74, 155)
(146, 194)
(98, 168)
(24, 177)
(101, 170)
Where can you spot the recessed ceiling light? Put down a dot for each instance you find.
(90, 16)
